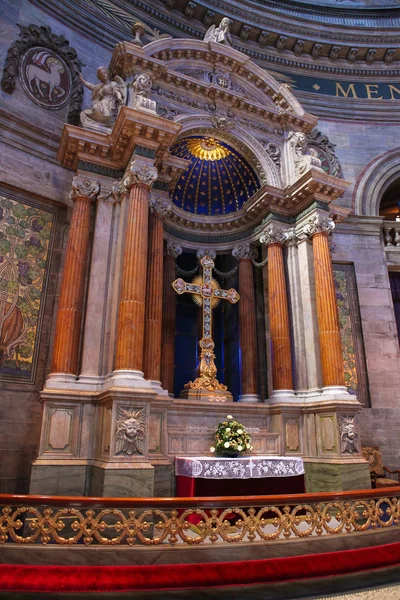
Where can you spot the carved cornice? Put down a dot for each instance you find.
(264, 24)
(244, 252)
(133, 128)
(82, 187)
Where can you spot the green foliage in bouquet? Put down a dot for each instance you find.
(231, 438)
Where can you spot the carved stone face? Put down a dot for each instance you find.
(224, 25)
(102, 74)
(131, 429)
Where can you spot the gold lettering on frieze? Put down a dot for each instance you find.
(370, 91)
(345, 93)
(393, 88)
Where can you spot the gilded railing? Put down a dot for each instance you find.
(67, 521)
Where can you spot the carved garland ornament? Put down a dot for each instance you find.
(61, 54)
(326, 152)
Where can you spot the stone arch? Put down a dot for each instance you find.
(176, 52)
(241, 139)
(374, 181)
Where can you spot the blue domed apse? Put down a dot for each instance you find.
(218, 180)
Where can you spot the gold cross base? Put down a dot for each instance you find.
(207, 373)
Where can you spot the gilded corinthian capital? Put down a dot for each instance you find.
(318, 224)
(83, 187)
(140, 172)
(273, 235)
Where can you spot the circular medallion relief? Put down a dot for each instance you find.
(45, 78)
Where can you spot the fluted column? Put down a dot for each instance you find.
(247, 324)
(169, 318)
(131, 313)
(282, 377)
(159, 207)
(318, 228)
(69, 317)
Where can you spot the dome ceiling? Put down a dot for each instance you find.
(218, 180)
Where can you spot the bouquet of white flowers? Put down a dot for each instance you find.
(231, 438)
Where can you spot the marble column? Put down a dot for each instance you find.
(247, 324)
(159, 207)
(318, 227)
(296, 312)
(169, 318)
(100, 279)
(132, 300)
(282, 377)
(69, 317)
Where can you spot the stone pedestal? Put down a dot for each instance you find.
(134, 481)
(336, 477)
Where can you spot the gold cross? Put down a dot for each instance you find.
(207, 293)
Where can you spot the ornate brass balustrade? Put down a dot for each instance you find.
(67, 521)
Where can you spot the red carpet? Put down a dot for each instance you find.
(31, 578)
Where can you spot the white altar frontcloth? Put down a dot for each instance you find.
(246, 467)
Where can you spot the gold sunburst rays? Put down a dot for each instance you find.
(214, 285)
(207, 149)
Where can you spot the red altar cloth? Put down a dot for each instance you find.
(187, 487)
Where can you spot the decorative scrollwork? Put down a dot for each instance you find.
(194, 526)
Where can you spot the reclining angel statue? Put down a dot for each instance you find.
(107, 98)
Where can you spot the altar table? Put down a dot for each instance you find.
(244, 476)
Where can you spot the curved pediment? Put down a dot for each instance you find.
(215, 72)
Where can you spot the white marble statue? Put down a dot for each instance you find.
(107, 98)
(139, 93)
(219, 34)
(302, 161)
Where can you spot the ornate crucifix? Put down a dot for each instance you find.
(206, 292)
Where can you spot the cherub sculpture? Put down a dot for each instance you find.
(348, 435)
(130, 433)
(219, 34)
(107, 98)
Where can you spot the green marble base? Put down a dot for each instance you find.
(331, 477)
(59, 480)
(133, 482)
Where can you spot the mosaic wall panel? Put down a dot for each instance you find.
(26, 238)
(351, 333)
